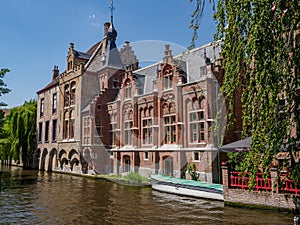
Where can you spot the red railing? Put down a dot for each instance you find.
(237, 180)
(289, 186)
(263, 184)
(241, 181)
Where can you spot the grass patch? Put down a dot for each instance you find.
(136, 177)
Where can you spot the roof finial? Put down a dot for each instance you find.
(112, 8)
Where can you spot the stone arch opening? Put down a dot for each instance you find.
(71, 153)
(74, 163)
(62, 153)
(64, 163)
(52, 160)
(43, 159)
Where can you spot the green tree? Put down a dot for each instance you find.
(261, 56)
(18, 134)
(3, 88)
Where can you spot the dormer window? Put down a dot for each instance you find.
(127, 90)
(168, 81)
(70, 65)
(168, 77)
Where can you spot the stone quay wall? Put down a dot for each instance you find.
(260, 199)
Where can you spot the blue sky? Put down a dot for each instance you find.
(35, 34)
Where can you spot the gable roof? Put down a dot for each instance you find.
(49, 86)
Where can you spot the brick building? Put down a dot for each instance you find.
(105, 114)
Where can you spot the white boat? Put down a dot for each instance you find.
(199, 189)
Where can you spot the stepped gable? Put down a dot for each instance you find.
(128, 57)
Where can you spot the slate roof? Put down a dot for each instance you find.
(52, 84)
(112, 55)
(82, 55)
(189, 63)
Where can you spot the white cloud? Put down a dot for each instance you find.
(91, 17)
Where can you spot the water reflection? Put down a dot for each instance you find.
(33, 197)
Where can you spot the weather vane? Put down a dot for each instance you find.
(112, 8)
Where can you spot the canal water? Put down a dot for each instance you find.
(34, 197)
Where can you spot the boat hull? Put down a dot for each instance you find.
(186, 190)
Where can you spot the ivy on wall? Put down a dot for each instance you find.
(261, 56)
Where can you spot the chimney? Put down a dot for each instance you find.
(55, 72)
(106, 27)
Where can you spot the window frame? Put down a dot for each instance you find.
(146, 156)
(54, 130)
(147, 131)
(128, 132)
(42, 107)
(127, 90)
(113, 131)
(86, 130)
(40, 132)
(170, 129)
(196, 156)
(47, 128)
(168, 81)
(197, 126)
(54, 103)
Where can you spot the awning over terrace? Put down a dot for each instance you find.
(238, 146)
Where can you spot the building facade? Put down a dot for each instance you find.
(105, 114)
